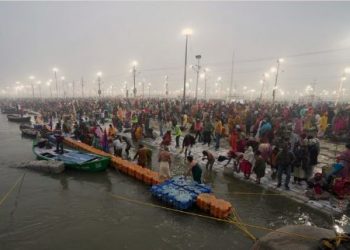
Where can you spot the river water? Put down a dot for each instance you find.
(75, 210)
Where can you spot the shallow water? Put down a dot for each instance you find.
(75, 210)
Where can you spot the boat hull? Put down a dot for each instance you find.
(98, 165)
(13, 118)
(29, 132)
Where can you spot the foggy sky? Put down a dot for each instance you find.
(82, 38)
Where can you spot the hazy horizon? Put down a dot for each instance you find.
(82, 38)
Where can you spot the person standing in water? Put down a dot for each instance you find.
(195, 169)
(208, 156)
(164, 160)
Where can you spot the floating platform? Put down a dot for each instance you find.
(52, 167)
(180, 193)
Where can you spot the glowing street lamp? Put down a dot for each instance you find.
(186, 32)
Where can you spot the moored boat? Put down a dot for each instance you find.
(29, 132)
(9, 110)
(18, 118)
(73, 159)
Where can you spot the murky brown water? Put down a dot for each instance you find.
(75, 210)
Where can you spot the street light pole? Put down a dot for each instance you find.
(49, 84)
(205, 77)
(31, 78)
(340, 88)
(99, 74)
(279, 61)
(166, 86)
(126, 90)
(198, 68)
(262, 82)
(205, 86)
(187, 33)
(219, 80)
(149, 90)
(134, 64)
(55, 72)
(39, 85)
(63, 86)
(82, 87)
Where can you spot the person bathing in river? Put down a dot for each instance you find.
(164, 160)
(195, 169)
(208, 156)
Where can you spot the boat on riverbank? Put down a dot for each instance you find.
(72, 159)
(29, 132)
(18, 118)
(9, 110)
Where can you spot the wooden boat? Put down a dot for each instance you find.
(9, 110)
(29, 132)
(18, 118)
(72, 159)
(25, 126)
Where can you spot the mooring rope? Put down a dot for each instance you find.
(119, 197)
(3, 199)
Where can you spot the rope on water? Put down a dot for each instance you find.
(250, 193)
(229, 221)
(3, 199)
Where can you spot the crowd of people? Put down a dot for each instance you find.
(283, 136)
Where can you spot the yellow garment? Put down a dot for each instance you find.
(218, 127)
(112, 131)
(323, 123)
(138, 133)
(184, 119)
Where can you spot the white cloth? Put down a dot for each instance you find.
(117, 144)
(164, 170)
(249, 155)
